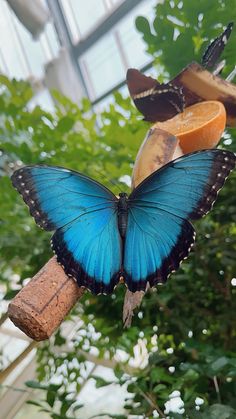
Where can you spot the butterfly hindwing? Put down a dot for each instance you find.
(84, 215)
(156, 101)
(159, 235)
(156, 242)
(90, 250)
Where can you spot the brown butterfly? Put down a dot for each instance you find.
(156, 101)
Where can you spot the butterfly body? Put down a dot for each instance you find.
(122, 213)
(142, 237)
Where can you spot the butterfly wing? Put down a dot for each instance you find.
(216, 47)
(157, 102)
(159, 235)
(84, 214)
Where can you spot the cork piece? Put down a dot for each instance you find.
(39, 308)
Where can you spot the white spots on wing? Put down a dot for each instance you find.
(143, 94)
(31, 201)
(22, 184)
(19, 177)
(27, 191)
(162, 91)
(59, 263)
(224, 39)
(233, 282)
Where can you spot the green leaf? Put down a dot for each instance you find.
(159, 388)
(77, 407)
(66, 404)
(109, 415)
(59, 339)
(219, 364)
(219, 411)
(36, 385)
(65, 124)
(51, 397)
(101, 382)
(10, 294)
(33, 402)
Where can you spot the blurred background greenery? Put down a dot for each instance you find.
(183, 338)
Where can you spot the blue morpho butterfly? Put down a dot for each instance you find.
(142, 237)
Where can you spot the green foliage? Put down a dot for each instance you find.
(64, 401)
(184, 332)
(181, 31)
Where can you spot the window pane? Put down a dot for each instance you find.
(82, 15)
(105, 64)
(11, 51)
(102, 66)
(131, 39)
(32, 50)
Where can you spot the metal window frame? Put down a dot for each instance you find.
(78, 49)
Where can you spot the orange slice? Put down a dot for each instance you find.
(198, 127)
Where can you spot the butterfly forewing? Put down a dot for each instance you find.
(156, 242)
(84, 215)
(156, 101)
(159, 235)
(216, 47)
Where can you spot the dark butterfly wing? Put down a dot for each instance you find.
(159, 235)
(216, 47)
(84, 214)
(157, 102)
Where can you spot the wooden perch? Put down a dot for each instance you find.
(40, 307)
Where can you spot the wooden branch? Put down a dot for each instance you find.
(40, 307)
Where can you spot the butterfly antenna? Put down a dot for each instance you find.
(112, 182)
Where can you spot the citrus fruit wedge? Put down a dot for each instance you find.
(198, 127)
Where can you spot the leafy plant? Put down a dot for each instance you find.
(181, 31)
